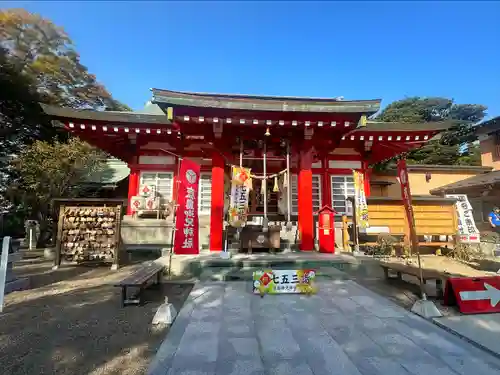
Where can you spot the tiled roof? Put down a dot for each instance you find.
(110, 116)
(484, 179)
(265, 103)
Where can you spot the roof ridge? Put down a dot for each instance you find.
(265, 97)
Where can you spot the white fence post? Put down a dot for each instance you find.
(3, 268)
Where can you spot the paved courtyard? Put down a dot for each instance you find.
(343, 330)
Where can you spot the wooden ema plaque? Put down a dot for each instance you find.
(88, 234)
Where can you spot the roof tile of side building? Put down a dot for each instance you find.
(490, 126)
(110, 116)
(473, 169)
(265, 103)
(484, 179)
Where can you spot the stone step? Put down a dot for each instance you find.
(246, 274)
(274, 264)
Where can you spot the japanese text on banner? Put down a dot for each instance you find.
(241, 183)
(360, 197)
(284, 281)
(467, 229)
(186, 222)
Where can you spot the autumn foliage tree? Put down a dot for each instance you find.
(39, 63)
(21, 121)
(46, 54)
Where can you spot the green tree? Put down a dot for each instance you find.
(38, 63)
(21, 117)
(21, 120)
(51, 170)
(46, 54)
(455, 145)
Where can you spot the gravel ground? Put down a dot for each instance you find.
(406, 291)
(71, 322)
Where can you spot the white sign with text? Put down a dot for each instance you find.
(467, 230)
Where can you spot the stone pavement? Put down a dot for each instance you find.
(343, 330)
(482, 329)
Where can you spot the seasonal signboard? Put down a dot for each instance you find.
(360, 197)
(467, 230)
(241, 183)
(186, 221)
(284, 281)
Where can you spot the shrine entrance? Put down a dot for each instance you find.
(264, 157)
(256, 204)
(268, 162)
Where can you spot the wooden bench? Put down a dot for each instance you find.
(142, 278)
(403, 269)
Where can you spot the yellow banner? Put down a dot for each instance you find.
(241, 183)
(360, 198)
(284, 281)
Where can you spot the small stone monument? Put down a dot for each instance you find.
(32, 229)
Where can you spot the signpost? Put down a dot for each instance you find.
(490, 293)
(3, 268)
(473, 295)
(406, 195)
(423, 307)
(8, 281)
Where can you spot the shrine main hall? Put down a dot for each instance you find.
(319, 142)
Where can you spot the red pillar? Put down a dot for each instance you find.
(306, 226)
(133, 187)
(217, 203)
(326, 184)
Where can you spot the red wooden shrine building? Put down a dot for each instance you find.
(326, 138)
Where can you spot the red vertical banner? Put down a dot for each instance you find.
(406, 196)
(366, 177)
(186, 239)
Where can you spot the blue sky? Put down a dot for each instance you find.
(359, 50)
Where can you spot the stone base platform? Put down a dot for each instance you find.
(210, 266)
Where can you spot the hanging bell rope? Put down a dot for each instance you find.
(276, 187)
(258, 177)
(261, 177)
